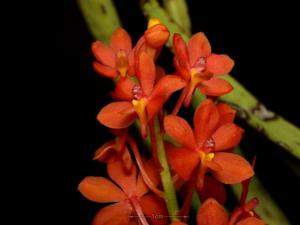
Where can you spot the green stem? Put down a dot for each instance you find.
(275, 127)
(166, 178)
(101, 17)
(178, 11)
(196, 203)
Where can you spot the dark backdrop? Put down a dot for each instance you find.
(263, 41)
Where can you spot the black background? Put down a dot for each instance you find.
(263, 41)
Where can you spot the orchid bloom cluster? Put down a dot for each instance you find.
(201, 157)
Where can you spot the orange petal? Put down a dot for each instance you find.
(146, 72)
(212, 189)
(155, 208)
(105, 70)
(120, 40)
(161, 92)
(104, 54)
(180, 131)
(215, 87)
(154, 106)
(227, 136)
(180, 49)
(167, 85)
(219, 64)
(100, 189)
(115, 214)
(198, 46)
(131, 61)
(182, 160)
(234, 170)
(181, 70)
(124, 178)
(227, 113)
(157, 35)
(206, 119)
(211, 213)
(123, 90)
(251, 221)
(117, 115)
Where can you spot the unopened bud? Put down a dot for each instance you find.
(156, 36)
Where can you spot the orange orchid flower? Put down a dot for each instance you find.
(205, 144)
(212, 213)
(143, 100)
(128, 195)
(116, 60)
(245, 209)
(199, 67)
(115, 150)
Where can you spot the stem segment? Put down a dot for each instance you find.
(170, 193)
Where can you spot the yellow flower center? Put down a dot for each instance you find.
(206, 157)
(195, 77)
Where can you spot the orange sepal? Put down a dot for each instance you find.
(105, 70)
(181, 70)
(167, 85)
(215, 87)
(235, 168)
(227, 113)
(104, 54)
(120, 40)
(180, 131)
(123, 90)
(115, 214)
(146, 72)
(251, 221)
(117, 115)
(198, 47)
(124, 178)
(211, 213)
(161, 92)
(153, 206)
(182, 160)
(206, 119)
(227, 136)
(219, 64)
(100, 189)
(180, 49)
(156, 36)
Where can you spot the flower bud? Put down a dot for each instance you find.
(157, 35)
